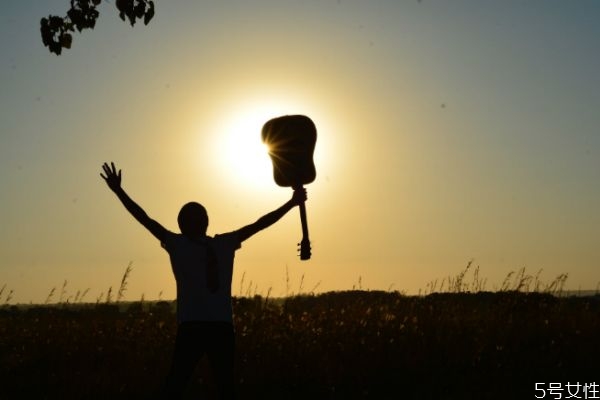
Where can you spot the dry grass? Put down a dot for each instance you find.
(469, 281)
(456, 341)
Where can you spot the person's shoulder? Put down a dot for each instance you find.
(229, 238)
(226, 236)
(170, 238)
(172, 235)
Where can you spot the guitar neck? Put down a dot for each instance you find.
(305, 252)
(304, 223)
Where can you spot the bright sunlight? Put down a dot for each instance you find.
(244, 157)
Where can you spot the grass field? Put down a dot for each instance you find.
(337, 345)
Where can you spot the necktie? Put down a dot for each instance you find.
(212, 270)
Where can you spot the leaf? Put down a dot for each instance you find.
(139, 9)
(121, 5)
(83, 15)
(55, 48)
(92, 16)
(45, 31)
(55, 22)
(77, 18)
(65, 40)
(150, 13)
(131, 16)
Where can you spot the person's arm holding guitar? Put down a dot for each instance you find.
(298, 197)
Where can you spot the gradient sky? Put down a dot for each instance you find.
(449, 131)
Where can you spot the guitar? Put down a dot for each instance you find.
(291, 140)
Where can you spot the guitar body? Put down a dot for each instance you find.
(291, 140)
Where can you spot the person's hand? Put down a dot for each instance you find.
(299, 196)
(112, 178)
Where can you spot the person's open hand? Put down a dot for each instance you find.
(111, 176)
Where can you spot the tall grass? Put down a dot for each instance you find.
(123, 286)
(8, 296)
(456, 340)
(336, 345)
(469, 281)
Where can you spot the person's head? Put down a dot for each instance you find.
(193, 219)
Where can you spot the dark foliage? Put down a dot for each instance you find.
(343, 345)
(56, 31)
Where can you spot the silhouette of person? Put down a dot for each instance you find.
(203, 267)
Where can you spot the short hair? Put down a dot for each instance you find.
(193, 219)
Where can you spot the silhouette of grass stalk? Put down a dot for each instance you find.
(457, 284)
(123, 286)
(242, 283)
(83, 295)
(556, 287)
(514, 281)
(9, 296)
(63, 292)
(287, 281)
(312, 291)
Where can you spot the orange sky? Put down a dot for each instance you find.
(446, 133)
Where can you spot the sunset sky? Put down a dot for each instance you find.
(448, 131)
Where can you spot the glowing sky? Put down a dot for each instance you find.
(448, 131)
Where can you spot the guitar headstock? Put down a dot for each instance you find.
(304, 249)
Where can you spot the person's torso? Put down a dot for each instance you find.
(189, 261)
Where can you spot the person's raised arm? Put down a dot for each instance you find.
(269, 219)
(113, 180)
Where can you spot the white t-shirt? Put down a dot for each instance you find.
(195, 302)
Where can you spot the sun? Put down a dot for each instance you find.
(238, 153)
(243, 157)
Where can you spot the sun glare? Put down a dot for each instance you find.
(238, 153)
(244, 158)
